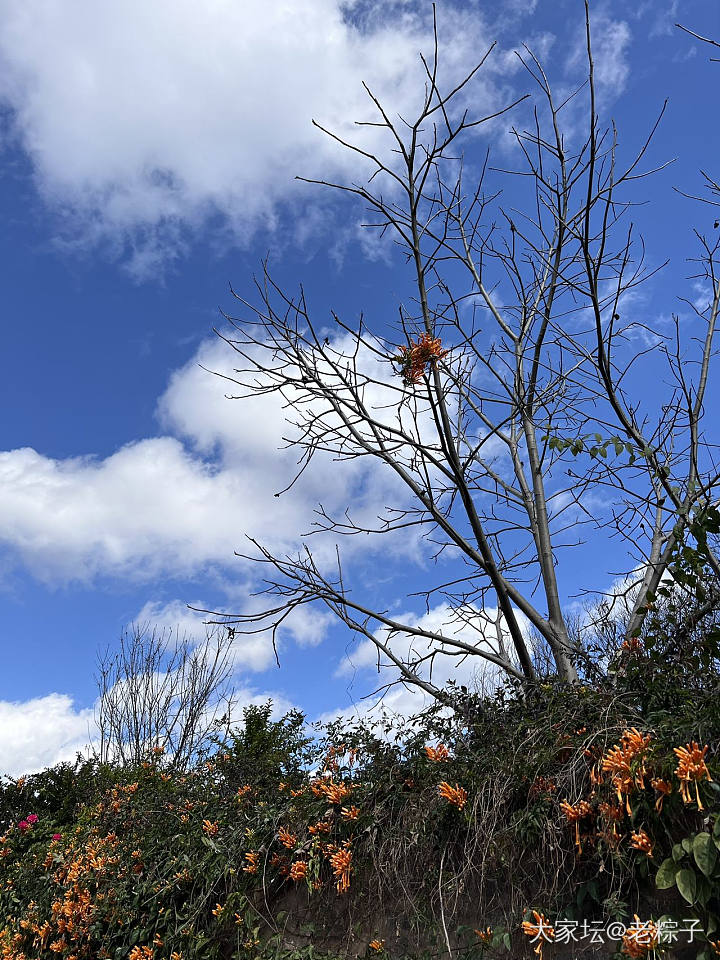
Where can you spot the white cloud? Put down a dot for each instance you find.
(306, 626)
(663, 17)
(143, 119)
(44, 731)
(610, 38)
(41, 732)
(175, 616)
(148, 508)
(404, 699)
(394, 705)
(160, 506)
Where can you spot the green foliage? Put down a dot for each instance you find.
(595, 446)
(675, 668)
(693, 868)
(200, 862)
(280, 843)
(263, 751)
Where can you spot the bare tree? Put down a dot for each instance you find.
(505, 405)
(159, 691)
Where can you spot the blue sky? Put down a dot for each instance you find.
(148, 159)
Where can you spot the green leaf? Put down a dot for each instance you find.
(704, 891)
(687, 844)
(716, 829)
(705, 853)
(665, 877)
(687, 884)
(507, 941)
(677, 853)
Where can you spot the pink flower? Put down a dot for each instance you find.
(33, 818)
(57, 836)
(23, 825)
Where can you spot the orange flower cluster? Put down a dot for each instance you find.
(640, 938)
(455, 795)
(377, 945)
(287, 839)
(334, 792)
(280, 863)
(484, 936)
(118, 797)
(415, 357)
(542, 931)
(141, 953)
(626, 764)
(437, 754)
(82, 916)
(691, 767)
(612, 814)
(663, 788)
(341, 860)
(322, 826)
(633, 645)
(541, 785)
(641, 841)
(574, 814)
(68, 927)
(611, 811)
